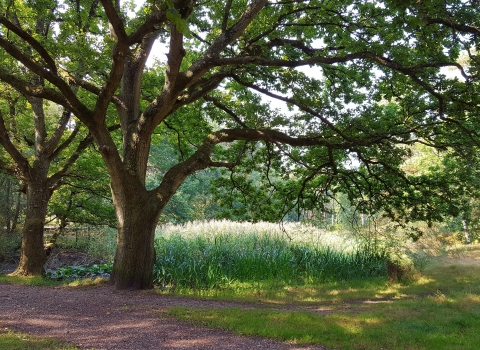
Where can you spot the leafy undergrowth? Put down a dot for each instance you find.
(440, 310)
(78, 272)
(20, 341)
(70, 275)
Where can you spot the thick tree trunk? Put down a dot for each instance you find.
(32, 255)
(137, 213)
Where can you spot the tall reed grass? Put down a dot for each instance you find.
(203, 255)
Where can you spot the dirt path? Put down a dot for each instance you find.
(102, 318)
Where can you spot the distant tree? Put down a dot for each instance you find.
(33, 143)
(460, 168)
(359, 79)
(193, 200)
(84, 197)
(40, 138)
(12, 204)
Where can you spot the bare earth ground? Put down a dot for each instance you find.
(99, 317)
(102, 318)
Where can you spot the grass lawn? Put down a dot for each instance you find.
(19, 341)
(440, 310)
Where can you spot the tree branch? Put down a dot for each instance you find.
(224, 108)
(295, 103)
(28, 89)
(198, 90)
(199, 67)
(226, 14)
(48, 75)
(18, 158)
(116, 23)
(174, 59)
(56, 178)
(32, 42)
(383, 61)
(66, 143)
(460, 27)
(151, 24)
(59, 131)
(94, 90)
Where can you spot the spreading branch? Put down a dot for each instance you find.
(20, 161)
(49, 61)
(224, 108)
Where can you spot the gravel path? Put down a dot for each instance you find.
(102, 318)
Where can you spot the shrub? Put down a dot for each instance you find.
(77, 272)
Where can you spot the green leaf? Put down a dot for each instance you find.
(180, 24)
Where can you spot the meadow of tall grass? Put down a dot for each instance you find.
(215, 254)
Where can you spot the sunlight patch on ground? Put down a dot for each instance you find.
(440, 298)
(352, 324)
(42, 322)
(424, 280)
(473, 299)
(469, 302)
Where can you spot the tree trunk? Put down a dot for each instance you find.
(466, 231)
(137, 213)
(32, 256)
(8, 205)
(18, 207)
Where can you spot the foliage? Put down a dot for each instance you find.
(12, 204)
(78, 272)
(84, 197)
(98, 242)
(9, 245)
(218, 259)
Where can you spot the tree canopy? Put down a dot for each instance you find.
(320, 94)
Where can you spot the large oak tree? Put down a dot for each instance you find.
(372, 84)
(39, 155)
(40, 140)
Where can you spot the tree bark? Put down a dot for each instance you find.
(32, 255)
(137, 213)
(466, 231)
(18, 207)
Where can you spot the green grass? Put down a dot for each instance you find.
(31, 281)
(19, 341)
(39, 281)
(440, 310)
(229, 254)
